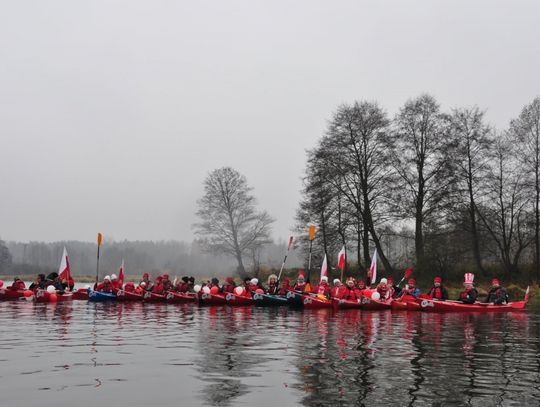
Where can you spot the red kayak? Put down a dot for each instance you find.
(238, 300)
(405, 303)
(176, 298)
(153, 297)
(314, 302)
(375, 305)
(346, 304)
(211, 299)
(428, 305)
(9, 294)
(122, 295)
(81, 294)
(44, 296)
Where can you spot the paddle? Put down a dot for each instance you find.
(407, 274)
(99, 240)
(311, 236)
(284, 260)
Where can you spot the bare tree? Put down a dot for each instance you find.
(473, 141)
(420, 156)
(526, 131)
(229, 222)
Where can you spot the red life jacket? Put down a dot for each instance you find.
(105, 287)
(350, 294)
(283, 290)
(322, 289)
(272, 289)
(464, 294)
(436, 292)
(228, 288)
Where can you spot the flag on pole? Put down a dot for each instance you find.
(324, 268)
(373, 268)
(121, 274)
(291, 239)
(64, 272)
(341, 259)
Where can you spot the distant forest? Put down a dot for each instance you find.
(176, 258)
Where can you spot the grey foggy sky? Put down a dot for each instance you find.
(113, 112)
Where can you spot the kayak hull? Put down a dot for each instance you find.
(427, 305)
(267, 300)
(179, 298)
(211, 299)
(370, 304)
(295, 299)
(7, 294)
(312, 302)
(238, 300)
(346, 304)
(153, 297)
(405, 303)
(81, 294)
(96, 296)
(122, 295)
(42, 296)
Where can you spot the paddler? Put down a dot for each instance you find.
(253, 285)
(39, 283)
(284, 287)
(350, 292)
(228, 285)
(438, 292)
(272, 285)
(105, 286)
(17, 284)
(181, 285)
(396, 290)
(141, 288)
(497, 295)
(166, 283)
(383, 290)
(469, 294)
(300, 283)
(54, 280)
(247, 283)
(337, 288)
(129, 287)
(323, 288)
(146, 281)
(158, 286)
(411, 288)
(115, 283)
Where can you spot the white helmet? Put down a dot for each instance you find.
(384, 281)
(324, 278)
(107, 278)
(254, 281)
(336, 281)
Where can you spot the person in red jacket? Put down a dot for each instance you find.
(272, 285)
(228, 285)
(129, 287)
(300, 283)
(146, 281)
(166, 283)
(336, 289)
(117, 285)
(17, 284)
(438, 292)
(141, 288)
(323, 288)
(350, 292)
(158, 286)
(105, 286)
(284, 287)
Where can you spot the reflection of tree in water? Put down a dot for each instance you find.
(227, 336)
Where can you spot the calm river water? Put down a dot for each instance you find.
(85, 354)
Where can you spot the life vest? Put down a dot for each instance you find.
(436, 292)
(350, 294)
(272, 289)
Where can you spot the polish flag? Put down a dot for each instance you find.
(373, 268)
(64, 272)
(121, 274)
(324, 268)
(291, 239)
(341, 259)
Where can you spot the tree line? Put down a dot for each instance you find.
(441, 190)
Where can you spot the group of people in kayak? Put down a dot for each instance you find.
(352, 290)
(42, 282)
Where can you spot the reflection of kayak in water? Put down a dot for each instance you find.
(428, 305)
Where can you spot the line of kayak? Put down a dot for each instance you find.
(293, 298)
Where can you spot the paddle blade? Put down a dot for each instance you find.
(408, 273)
(311, 232)
(99, 239)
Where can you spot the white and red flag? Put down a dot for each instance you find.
(121, 274)
(373, 268)
(324, 268)
(64, 272)
(341, 259)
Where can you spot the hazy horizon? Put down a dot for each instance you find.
(113, 113)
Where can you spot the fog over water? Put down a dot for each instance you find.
(112, 113)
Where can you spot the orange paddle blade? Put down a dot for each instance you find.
(99, 239)
(311, 232)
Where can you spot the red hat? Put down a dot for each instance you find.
(411, 282)
(437, 280)
(495, 281)
(469, 278)
(301, 275)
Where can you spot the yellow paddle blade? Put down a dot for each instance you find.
(99, 239)
(311, 232)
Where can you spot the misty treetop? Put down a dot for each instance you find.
(229, 220)
(440, 190)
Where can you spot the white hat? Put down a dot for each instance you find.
(143, 284)
(336, 281)
(254, 281)
(324, 278)
(384, 281)
(114, 277)
(107, 278)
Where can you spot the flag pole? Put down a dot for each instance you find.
(99, 240)
(311, 236)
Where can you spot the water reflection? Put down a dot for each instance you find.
(222, 356)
